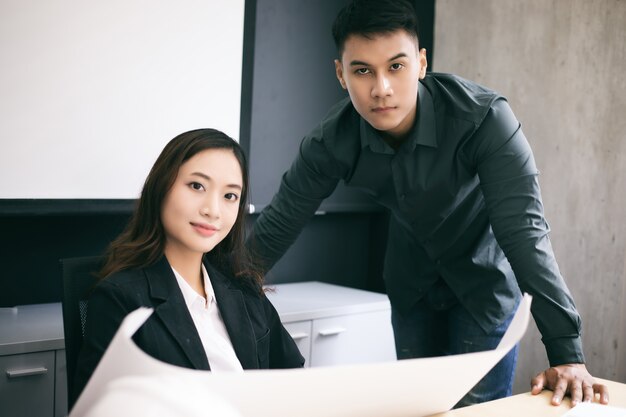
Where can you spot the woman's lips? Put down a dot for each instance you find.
(204, 229)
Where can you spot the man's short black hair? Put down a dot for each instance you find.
(372, 17)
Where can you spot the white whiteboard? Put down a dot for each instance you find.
(90, 91)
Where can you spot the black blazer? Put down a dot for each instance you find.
(258, 337)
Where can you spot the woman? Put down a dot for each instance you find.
(182, 254)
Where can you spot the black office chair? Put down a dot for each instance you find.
(79, 278)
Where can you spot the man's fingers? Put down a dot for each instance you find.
(588, 394)
(603, 391)
(537, 383)
(559, 391)
(572, 379)
(576, 391)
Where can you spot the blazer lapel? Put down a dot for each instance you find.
(173, 312)
(232, 307)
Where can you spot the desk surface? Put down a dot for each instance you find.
(313, 300)
(31, 328)
(533, 405)
(39, 327)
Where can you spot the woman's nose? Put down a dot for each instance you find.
(211, 207)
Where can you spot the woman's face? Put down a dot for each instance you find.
(201, 207)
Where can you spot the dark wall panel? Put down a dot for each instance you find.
(293, 87)
(31, 246)
(339, 248)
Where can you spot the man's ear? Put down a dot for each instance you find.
(423, 63)
(339, 74)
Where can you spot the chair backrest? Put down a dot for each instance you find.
(79, 278)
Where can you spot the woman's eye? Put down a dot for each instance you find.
(196, 186)
(231, 197)
(362, 71)
(396, 66)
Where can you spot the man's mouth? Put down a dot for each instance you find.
(382, 109)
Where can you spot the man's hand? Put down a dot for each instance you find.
(572, 379)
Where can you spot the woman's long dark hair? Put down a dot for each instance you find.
(142, 242)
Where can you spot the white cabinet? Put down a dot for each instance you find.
(334, 325)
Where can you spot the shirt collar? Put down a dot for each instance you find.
(189, 294)
(423, 132)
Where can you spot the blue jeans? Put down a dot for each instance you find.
(439, 327)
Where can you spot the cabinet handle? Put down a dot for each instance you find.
(27, 372)
(332, 331)
(298, 336)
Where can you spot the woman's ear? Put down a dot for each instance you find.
(339, 74)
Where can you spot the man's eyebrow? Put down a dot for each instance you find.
(365, 64)
(206, 177)
(355, 62)
(400, 55)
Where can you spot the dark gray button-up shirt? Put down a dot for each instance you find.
(465, 203)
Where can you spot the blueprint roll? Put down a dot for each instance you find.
(159, 396)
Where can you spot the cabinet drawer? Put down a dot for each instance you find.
(300, 331)
(27, 385)
(354, 338)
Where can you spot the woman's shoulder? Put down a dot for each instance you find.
(129, 288)
(124, 278)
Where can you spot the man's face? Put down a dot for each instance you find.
(382, 74)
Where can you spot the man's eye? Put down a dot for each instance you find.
(396, 66)
(232, 197)
(196, 186)
(362, 71)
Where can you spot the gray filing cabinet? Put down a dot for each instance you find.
(335, 325)
(32, 361)
(331, 324)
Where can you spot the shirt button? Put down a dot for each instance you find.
(402, 196)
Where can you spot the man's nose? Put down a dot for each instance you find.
(382, 88)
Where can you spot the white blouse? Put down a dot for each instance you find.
(208, 320)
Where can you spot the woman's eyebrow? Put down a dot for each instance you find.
(200, 174)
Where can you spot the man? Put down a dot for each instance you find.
(448, 158)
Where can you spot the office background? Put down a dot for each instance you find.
(559, 62)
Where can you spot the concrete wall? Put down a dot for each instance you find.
(562, 65)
